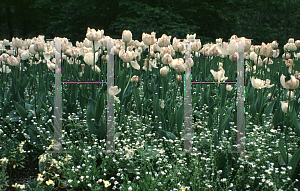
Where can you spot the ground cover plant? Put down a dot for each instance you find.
(149, 96)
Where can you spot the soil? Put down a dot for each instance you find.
(22, 175)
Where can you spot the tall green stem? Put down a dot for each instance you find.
(286, 132)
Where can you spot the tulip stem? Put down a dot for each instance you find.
(158, 78)
(204, 70)
(94, 60)
(286, 132)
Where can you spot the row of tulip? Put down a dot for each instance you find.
(27, 83)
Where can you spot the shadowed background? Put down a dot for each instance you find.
(262, 21)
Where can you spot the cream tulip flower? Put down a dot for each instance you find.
(257, 83)
(149, 39)
(196, 45)
(253, 56)
(135, 65)
(297, 43)
(88, 58)
(178, 65)
(268, 83)
(286, 55)
(126, 36)
(191, 37)
(214, 51)
(290, 47)
(229, 87)
(126, 56)
(94, 35)
(276, 53)
(179, 47)
(4, 57)
(219, 41)
(113, 91)
(164, 71)
(96, 68)
(25, 55)
(293, 83)
(17, 43)
(232, 47)
(178, 78)
(234, 57)
(6, 42)
(284, 106)
(87, 43)
(167, 59)
(50, 65)
(134, 79)
(5, 69)
(297, 56)
(164, 41)
(274, 44)
(260, 62)
(265, 61)
(292, 94)
(39, 46)
(13, 61)
(219, 76)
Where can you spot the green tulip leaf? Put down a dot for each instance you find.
(282, 150)
(100, 105)
(21, 111)
(294, 161)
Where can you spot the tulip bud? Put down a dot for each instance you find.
(31, 49)
(126, 36)
(39, 46)
(260, 62)
(292, 95)
(219, 40)
(297, 43)
(276, 53)
(25, 55)
(134, 79)
(247, 45)
(297, 75)
(234, 57)
(196, 45)
(286, 55)
(269, 95)
(5, 69)
(291, 40)
(253, 56)
(228, 87)
(231, 49)
(96, 68)
(284, 106)
(6, 42)
(191, 37)
(268, 61)
(274, 44)
(178, 78)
